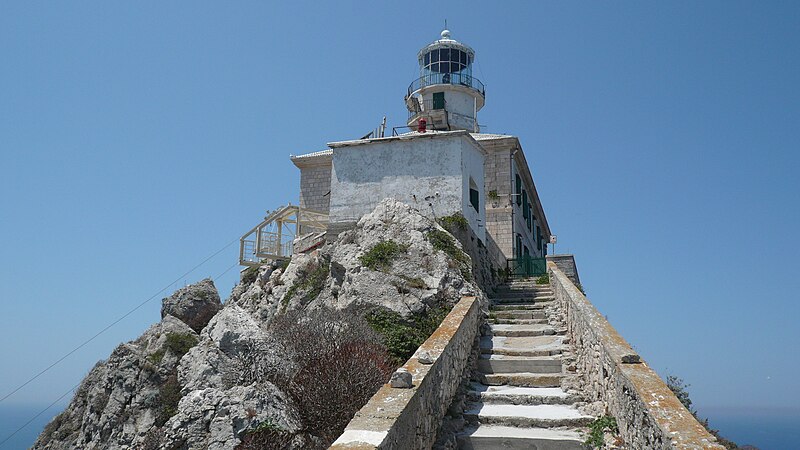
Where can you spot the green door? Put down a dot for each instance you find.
(438, 100)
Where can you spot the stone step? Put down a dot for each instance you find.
(521, 290)
(524, 346)
(526, 298)
(513, 395)
(529, 287)
(516, 307)
(523, 285)
(492, 437)
(521, 379)
(495, 363)
(518, 321)
(545, 416)
(522, 301)
(523, 314)
(522, 330)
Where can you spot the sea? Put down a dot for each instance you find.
(764, 428)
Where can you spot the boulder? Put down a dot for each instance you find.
(194, 305)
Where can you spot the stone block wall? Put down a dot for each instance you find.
(648, 413)
(404, 419)
(566, 263)
(315, 187)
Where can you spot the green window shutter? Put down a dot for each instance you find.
(519, 190)
(438, 100)
(525, 210)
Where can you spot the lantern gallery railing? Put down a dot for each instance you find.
(454, 78)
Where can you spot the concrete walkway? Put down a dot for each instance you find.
(517, 401)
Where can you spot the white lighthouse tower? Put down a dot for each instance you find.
(445, 95)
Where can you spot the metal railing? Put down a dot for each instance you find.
(527, 266)
(447, 78)
(424, 106)
(274, 237)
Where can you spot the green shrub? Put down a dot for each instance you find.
(443, 241)
(180, 343)
(169, 394)
(250, 274)
(598, 427)
(492, 195)
(283, 264)
(402, 336)
(544, 279)
(415, 282)
(381, 256)
(157, 356)
(311, 284)
(454, 222)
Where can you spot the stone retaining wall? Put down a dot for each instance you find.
(397, 418)
(648, 413)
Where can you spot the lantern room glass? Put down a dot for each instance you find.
(444, 60)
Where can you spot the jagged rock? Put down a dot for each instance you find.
(235, 377)
(195, 305)
(214, 419)
(117, 403)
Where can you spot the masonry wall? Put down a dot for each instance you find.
(405, 419)
(498, 211)
(648, 413)
(315, 187)
(428, 173)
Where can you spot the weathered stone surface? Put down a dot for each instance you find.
(401, 379)
(195, 305)
(221, 393)
(117, 404)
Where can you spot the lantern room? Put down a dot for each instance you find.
(446, 94)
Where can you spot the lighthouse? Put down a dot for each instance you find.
(446, 95)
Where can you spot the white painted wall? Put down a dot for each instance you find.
(430, 173)
(472, 166)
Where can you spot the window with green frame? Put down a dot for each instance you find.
(525, 211)
(519, 245)
(519, 190)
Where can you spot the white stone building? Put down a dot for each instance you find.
(448, 167)
(440, 164)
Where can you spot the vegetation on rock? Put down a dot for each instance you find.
(598, 428)
(266, 435)
(454, 222)
(310, 283)
(180, 343)
(382, 254)
(544, 279)
(169, 394)
(443, 241)
(402, 336)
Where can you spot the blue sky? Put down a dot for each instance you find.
(136, 139)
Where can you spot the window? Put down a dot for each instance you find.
(530, 218)
(519, 245)
(526, 252)
(473, 199)
(525, 211)
(519, 190)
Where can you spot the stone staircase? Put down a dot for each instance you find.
(517, 401)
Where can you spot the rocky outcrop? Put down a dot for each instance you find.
(192, 381)
(194, 305)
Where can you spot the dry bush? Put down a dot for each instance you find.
(329, 362)
(333, 386)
